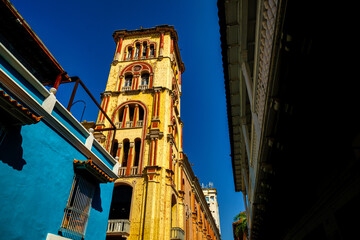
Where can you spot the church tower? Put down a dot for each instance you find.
(142, 99)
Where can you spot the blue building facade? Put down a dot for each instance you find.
(56, 179)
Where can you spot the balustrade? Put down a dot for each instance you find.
(118, 226)
(177, 234)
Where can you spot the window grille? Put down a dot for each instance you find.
(77, 210)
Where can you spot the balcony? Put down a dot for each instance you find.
(118, 227)
(126, 88)
(139, 123)
(122, 171)
(133, 171)
(177, 234)
(129, 124)
(143, 87)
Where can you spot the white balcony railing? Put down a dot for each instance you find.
(126, 88)
(139, 123)
(134, 170)
(129, 124)
(122, 171)
(177, 234)
(143, 87)
(118, 226)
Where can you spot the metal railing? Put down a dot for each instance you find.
(177, 234)
(118, 226)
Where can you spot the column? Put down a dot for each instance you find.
(118, 49)
(126, 110)
(136, 115)
(130, 159)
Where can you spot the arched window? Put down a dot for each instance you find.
(114, 148)
(129, 53)
(152, 50)
(144, 50)
(121, 202)
(137, 151)
(137, 50)
(128, 81)
(126, 147)
(145, 79)
(131, 115)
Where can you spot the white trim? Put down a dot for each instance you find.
(27, 99)
(49, 103)
(51, 236)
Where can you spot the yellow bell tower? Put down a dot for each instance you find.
(157, 195)
(142, 98)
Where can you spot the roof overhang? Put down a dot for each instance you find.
(237, 21)
(20, 39)
(16, 113)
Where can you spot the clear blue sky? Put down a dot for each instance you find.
(79, 35)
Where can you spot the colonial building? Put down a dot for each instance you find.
(211, 199)
(157, 195)
(292, 101)
(56, 180)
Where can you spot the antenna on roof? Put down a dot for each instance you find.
(211, 184)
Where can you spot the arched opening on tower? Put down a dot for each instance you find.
(126, 147)
(131, 115)
(114, 148)
(141, 113)
(145, 79)
(121, 202)
(119, 216)
(137, 152)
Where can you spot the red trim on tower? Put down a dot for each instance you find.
(137, 83)
(124, 117)
(162, 40)
(135, 116)
(172, 46)
(155, 151)
(179, 77)
(146, 110)
(120, 83)
(129, 162)
(108, 141)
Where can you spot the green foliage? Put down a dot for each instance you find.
(241, 228)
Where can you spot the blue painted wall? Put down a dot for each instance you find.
(36, 178)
